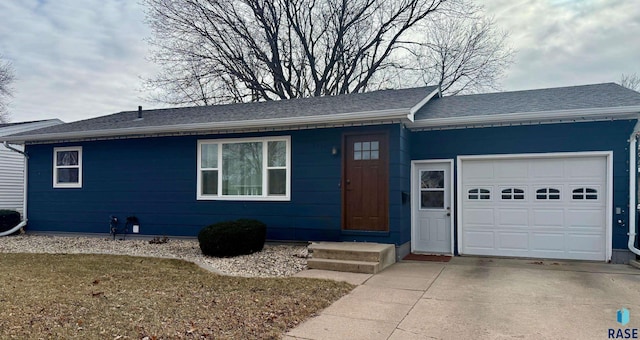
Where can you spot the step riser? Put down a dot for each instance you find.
(368, 268)
(353, 257)
(349, 255)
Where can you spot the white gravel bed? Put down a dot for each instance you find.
(272, 261)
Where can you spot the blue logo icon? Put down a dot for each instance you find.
(623, 316)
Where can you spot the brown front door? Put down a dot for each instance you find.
(365, 182)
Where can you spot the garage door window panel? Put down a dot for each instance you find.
(432, 189)
(479, 194)
(512, 194)
(589, 194)
(547, 194)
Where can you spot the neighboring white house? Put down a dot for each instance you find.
(12, 164)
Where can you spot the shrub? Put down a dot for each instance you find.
(8, 219)
(232, 238)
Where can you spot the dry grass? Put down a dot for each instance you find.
(122, 297)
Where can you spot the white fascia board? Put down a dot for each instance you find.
(582, 114)
(393, 114)
(418, 106)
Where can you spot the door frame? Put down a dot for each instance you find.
(343, 178)
(608, 155)
(415, 198)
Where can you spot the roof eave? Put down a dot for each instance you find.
(352, 117)
(528, 117)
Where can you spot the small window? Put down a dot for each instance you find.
(548, 194)
(479, 194)
(585, 194)
(363, 151)
(512, 194)
(67, 167)
(432, 188)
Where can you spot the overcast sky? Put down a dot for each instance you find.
(77, 59)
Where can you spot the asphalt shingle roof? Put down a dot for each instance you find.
(19, 123)
(551, 99)
(304, 107)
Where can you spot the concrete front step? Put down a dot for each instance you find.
(357, 257)
(344, 265)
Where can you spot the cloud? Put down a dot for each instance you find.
(74, 60)
(568, 42)
(84, 58)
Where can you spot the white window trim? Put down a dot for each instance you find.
(55, 167)
(265, 169)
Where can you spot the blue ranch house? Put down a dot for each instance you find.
(547, 173)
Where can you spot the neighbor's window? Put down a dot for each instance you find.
(67, 167)
(256, 168)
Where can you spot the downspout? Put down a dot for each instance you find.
(24, 201)
(633, 174)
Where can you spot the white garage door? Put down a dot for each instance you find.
(551, 207)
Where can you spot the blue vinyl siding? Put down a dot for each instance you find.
(570, 137)
(155, 180)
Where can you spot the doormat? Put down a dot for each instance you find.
(432, 258)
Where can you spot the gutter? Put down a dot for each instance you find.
(633, 175)
(505, 118)
(391, 114)
(24, 200)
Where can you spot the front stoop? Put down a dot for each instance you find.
(635, 263)
(355, 257)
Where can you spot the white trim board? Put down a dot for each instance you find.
(576, 115)
(609, 183)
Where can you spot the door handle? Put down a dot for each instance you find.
(348, 181)
(448, 211)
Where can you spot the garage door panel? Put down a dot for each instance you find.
(479, 171)
(513, 241)
(476, 239)
(545, 170)
(513, 218)
(513, 171)
(585, 243)
(479, 216)
(548, 218)
(547, 242)
(586, 169)
(586, 220)
(562, 214)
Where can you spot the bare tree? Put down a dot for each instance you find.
(464, 51)
(631, 81)
(6, 78)
(217, 51)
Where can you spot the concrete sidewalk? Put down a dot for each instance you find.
(479, 298)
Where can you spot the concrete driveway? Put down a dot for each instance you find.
(480, 298)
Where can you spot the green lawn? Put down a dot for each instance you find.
(108, 297)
